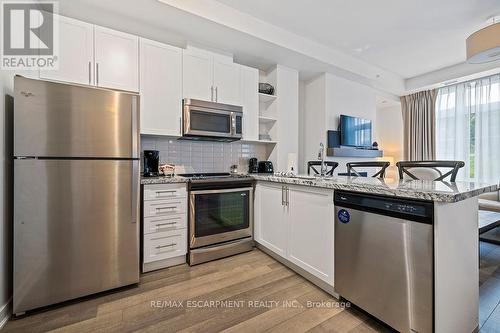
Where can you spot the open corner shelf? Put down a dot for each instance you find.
(265, 98)
(264, 119)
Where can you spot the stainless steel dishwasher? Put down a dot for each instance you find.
(384, 258)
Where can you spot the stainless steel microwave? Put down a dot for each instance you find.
(203, 120)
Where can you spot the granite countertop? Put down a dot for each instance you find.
(414, 189)
(163, 180)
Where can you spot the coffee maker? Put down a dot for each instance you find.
(253, 166)
(151, 163)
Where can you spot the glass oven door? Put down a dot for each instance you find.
(220, 215)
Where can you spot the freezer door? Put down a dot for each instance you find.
(75, 229)
(61, 120)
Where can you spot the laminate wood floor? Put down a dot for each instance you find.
(250, 292)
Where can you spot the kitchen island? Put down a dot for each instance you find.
(296, 220)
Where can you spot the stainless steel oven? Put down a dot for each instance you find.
(220, 218)
(211, 121)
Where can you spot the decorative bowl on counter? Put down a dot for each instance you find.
(167, 170)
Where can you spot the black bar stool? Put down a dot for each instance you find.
(372, 164)
(330, 166)
(431, 169)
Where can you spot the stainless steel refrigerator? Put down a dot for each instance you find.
(76, 191)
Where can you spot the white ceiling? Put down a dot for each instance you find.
(406, 37)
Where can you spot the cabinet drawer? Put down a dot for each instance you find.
(164, 245)
(164, 207)
(162, 191)
(164, 223)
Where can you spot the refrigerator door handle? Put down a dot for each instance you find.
(135, 133)
(135, 182)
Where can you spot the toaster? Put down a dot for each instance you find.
(266, 167)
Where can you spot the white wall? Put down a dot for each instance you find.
(313, 117)
(6, 89)
(390, 134)
(203, 156)
(350, 98)
(286, 131)
(326, 97)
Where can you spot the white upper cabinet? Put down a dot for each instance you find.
(198, 75)
(93, 55)
(116, 59)
(210, 77)
(250, 102)
(75, 54)
(161, 88)
(227, 82)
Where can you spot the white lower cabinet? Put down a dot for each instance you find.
(310, 236)
(164, 226)
(165, 245)
(297, 224)
(270, 221)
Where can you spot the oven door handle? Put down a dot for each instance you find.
(239, 189)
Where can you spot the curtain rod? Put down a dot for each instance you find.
(457, 82)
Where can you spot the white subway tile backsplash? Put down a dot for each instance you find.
(192, 156)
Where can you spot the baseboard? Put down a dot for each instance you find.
(5, 313)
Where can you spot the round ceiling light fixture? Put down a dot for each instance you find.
(484, 45)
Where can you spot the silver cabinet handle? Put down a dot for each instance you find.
(159, 225)
(27, 94)
(90, 72)
(164, 246)
(163, 219)
(282, 195)
(135, 128)
(287, 196)
(97, 73)
(212, 93)
(216, 94)
(164, 208)
(180, 125)
(135, 184)
(158, 193)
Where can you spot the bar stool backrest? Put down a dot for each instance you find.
(351, 171)
(429, 170)
(330, 166)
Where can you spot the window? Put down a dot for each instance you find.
(468, 127)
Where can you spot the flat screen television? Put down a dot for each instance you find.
(355, 132)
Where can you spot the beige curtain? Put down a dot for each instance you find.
(419, 111)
